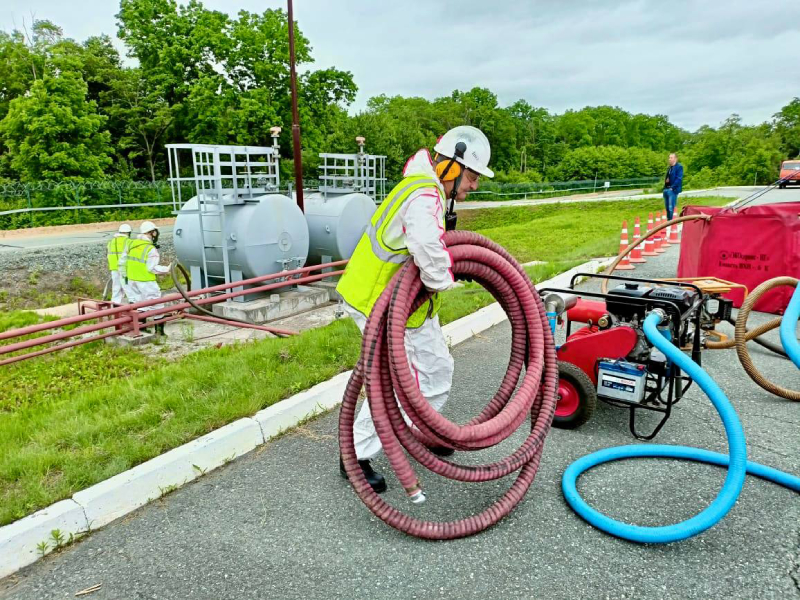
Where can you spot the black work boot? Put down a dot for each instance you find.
(160, 329)
(374, 479)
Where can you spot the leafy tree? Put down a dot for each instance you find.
(787, 126)
(140, 105)
(55, 133)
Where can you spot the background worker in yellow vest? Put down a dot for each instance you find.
(115, 248)
(410, 224)
(139, 263)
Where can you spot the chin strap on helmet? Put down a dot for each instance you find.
(450, 216)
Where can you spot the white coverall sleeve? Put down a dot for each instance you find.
(153, 257)
(122, 263)
(422, 222)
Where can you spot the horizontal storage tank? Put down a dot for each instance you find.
(265, 235)
(336, 224)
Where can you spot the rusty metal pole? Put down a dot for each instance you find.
(298, 159)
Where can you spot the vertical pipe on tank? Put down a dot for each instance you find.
(298, 164)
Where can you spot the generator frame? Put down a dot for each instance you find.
(674, 382)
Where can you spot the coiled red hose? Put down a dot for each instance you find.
(384, 368)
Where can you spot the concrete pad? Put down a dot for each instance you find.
(276, 306)
(127, 341)
(123, 493)
(19, 541)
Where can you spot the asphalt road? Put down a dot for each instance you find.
(281, 523)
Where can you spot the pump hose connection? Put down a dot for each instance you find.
(736, 461)
(383, 367)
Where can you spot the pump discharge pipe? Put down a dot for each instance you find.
(736, 461)
(383, 367)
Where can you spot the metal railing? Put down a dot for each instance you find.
(129, 319)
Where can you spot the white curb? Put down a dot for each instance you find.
(122, 494)
(285, 414)
(20, 541)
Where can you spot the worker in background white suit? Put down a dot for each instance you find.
(114, 250)
(140, 264)
(410, 223)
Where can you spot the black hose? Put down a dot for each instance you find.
(182, 291)
(763, 343)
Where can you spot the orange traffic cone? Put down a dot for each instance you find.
(665, 232)
(649, 243)
(636, 254)
(625, 263)
(673, 235)
(660, 235)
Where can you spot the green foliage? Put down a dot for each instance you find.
(55, 133)
(608, 162)
(734, 154)
(787, 127)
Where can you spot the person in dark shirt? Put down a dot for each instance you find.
(673, 184)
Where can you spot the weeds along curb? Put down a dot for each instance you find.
(24, 541)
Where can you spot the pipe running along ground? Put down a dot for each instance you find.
(736, 461)
(787, 324)
(383, 367)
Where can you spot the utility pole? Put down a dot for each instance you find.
(298, 158)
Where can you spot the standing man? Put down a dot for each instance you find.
(410, 224)
(115, 248)
(139, 262)
(673, 184)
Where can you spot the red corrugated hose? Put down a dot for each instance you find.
(384, 369)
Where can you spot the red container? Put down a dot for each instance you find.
(748, 246)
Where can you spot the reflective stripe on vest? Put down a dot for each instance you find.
(136, 263)
(114, 248)
(373, 263)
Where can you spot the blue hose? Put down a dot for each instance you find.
(736, 461)
(788, 324)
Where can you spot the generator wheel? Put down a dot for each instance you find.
(577, 397)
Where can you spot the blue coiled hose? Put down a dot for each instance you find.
(788, 324)
(736, 460)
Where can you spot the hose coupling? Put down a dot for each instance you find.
(415, 494)
(662, 316)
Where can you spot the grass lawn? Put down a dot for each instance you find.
(71, 419)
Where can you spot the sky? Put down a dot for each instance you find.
(695, 61)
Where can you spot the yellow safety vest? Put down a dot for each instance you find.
(374, 263)
(115, 247)
(136, 265)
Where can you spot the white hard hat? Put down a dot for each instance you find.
(147, 227)
(477, 153)
(124, 228)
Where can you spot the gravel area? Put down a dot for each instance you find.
(56, 267)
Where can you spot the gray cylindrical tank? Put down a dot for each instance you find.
(335, 225)
(265, 235)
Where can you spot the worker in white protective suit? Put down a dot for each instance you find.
(410, 223)
(140, 265)
(114, 249)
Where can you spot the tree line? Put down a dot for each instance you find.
(76, 110)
